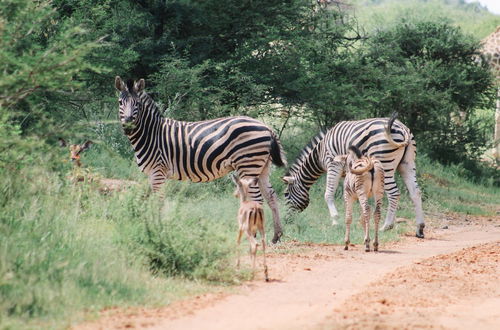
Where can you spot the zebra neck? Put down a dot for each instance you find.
(149, 108)
(311, 166)
(148, 124)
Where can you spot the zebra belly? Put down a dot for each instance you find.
(214, 174)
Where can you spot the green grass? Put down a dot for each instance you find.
(67, 251)
(66, 248)
(446, 190)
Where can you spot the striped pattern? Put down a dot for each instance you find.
(364, 179)
(199, 151)
(386, 139)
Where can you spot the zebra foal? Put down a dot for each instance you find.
(386, 139)
(250, 220)
(199, 151)
(364, 179)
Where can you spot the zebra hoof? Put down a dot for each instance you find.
(277, 237)
(420, 231)
(387, 227)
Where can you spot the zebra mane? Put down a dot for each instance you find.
(306, 152)
(150, 104)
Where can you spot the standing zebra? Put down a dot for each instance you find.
(199, 151)
(387, 139)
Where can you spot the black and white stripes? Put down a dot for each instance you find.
(387, 139)
(199, 151)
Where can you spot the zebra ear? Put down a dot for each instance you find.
(119, 84)
(139, 86)
(288, 179)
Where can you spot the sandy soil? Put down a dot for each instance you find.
(450, 280)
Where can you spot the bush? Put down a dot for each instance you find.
(194, 248)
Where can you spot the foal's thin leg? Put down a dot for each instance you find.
(348, 220)
(263, 236)
(238, 240)
(365, 209)
(253, 248)
(376, 216)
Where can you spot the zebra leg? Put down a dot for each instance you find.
(393, 194)
(349, 201)
(157, 179)
(253, 247)
(238, 240)
(263, 238)
(365, 210)
(376, 218)
(272, 200)
(408, 172)
(332, 181)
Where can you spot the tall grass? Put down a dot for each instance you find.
(65, 248)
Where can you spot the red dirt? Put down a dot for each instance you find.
(450, 280)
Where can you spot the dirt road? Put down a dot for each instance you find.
(449, 280)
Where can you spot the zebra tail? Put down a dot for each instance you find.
(388, 134)
(278, 156)
(356, 151)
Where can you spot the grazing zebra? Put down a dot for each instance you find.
(199, 151)
(387, 139)
(364, 179)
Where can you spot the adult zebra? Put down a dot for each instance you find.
(387, 139)
(199, 151)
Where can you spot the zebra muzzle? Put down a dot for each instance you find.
(128, 125)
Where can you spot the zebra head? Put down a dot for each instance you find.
(296, 193)
(129, 102)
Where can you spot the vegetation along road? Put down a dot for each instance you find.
(449, 280)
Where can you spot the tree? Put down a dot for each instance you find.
(35, 53)
(428, 73)
(39, 56)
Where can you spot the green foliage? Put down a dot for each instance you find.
(181, 245)
(38, 52)
(15, 151)
(428, 73)
(183, 89)
(67, 247)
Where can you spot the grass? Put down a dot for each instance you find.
(67, 251)
(66, 248)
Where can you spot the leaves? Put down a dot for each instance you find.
(37, 52)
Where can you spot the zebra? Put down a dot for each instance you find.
(373, 137)
(250, 221)
(199, 151)
(364, 179)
